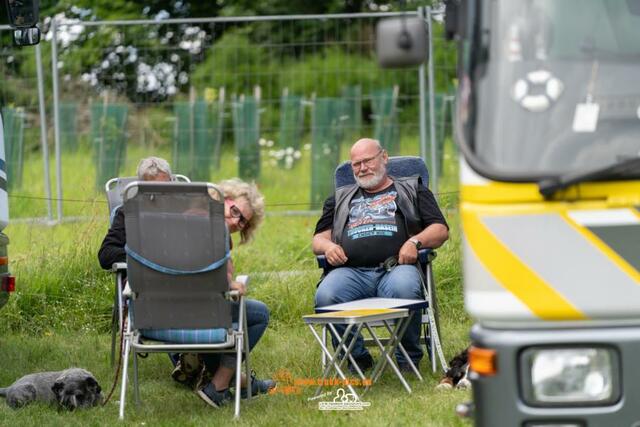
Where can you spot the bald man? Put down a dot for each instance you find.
(365, 224)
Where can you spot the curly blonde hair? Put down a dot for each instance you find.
(235, 188)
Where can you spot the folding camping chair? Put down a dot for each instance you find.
(178, 294)
(114, 189)
(402, 166)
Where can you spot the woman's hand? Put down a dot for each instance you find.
(238, 286)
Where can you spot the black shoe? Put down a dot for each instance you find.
(213, 397)
(364, 363)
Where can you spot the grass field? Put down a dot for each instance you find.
(59, 317)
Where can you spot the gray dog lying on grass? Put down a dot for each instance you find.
(69, 389)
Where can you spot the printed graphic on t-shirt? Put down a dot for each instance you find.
(372, 216)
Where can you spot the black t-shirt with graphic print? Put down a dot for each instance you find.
(375, 228)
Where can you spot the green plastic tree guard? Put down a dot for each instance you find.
(291, 126)
(246, 132)
(109, 135)
(197, 133)
(68, 126)
(352, 96)
(384, 108)
(326, 137)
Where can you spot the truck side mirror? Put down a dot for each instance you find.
(23, 17)
(401, 42)
(26, 36)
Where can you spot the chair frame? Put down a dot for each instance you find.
(134, 344)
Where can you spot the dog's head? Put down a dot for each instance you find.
(76, 388)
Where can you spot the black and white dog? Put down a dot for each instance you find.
(69, 389)
(456, 376)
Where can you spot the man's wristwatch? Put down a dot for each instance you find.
(416, 242)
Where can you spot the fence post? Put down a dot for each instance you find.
(433, 174)
(423, 105)
(56, 113)
(43, 131)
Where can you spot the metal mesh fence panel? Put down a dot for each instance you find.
(149, 67)
(68, 126)
(156, 66)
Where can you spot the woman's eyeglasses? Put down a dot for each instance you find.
(236, 213)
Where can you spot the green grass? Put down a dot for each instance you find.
(59, 316)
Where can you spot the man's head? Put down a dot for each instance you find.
(154, 169)
(369, 163)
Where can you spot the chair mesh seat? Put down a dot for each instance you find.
(187, 336)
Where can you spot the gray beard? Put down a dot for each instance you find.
(369, 183)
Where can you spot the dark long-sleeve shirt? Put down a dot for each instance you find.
(112, 248)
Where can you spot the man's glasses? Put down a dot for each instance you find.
(368, 162)
(236, 213)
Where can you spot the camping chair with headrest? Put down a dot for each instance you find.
(114, 189)
(178, 294)
(405, 166)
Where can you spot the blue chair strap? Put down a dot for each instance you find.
(168, 270)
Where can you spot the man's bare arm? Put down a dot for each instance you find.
(323, 245)
(431, 237)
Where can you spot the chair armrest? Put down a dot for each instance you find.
(426, 255)
(118, 267)
(322, 262)
(233, 295)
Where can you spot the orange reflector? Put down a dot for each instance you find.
(483, 361)
(4, 260)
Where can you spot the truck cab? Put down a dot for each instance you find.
(548, 122)
(548, 126)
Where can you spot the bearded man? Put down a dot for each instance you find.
(364, 226)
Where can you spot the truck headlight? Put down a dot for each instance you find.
(570, 376)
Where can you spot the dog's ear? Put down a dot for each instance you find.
(92, 385)
(57, 388)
